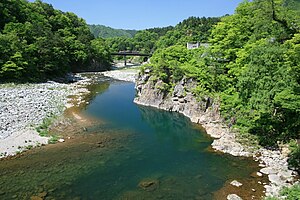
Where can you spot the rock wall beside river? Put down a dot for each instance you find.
(205, 111)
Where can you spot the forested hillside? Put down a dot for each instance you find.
(143, 41)
(252, 66)
(38, 42)
(160, 31)
(193, 29)
(101, 31)
(293, 4)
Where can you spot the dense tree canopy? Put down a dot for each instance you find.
(160, 31)
(143, 41)
(39, 42)
(100, 31)
(258, 44)
(193, 29)
(252, 64)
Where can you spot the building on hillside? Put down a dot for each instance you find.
(196, 45)
(190, 45)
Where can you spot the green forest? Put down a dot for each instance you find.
(193, 29)
(38, 42)
(251, 68)
(101, 31)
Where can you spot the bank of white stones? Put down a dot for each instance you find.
(23, 107)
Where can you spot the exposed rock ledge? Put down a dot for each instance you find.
(206, 113)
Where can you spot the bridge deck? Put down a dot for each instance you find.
(129, 54)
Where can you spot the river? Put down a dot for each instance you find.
(128, 152)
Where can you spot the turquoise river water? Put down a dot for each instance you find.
(134, 152)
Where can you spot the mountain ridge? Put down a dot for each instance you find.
(102, 31)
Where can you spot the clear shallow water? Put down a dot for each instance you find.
(145, 145)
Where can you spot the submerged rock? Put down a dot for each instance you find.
(149, 185)
(36, 198)
(42, 194)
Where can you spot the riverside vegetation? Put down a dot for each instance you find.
(251, 67)
(38, 42)
(100, 31)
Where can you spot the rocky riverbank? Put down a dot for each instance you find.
(23, 107)
(206, 112)
(123, 73)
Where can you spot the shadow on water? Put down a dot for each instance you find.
(171, 127)
(136, 152)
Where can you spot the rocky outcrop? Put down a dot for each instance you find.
(205, 111)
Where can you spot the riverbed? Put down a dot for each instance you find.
(119, 150)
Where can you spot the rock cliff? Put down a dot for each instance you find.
(205, 111)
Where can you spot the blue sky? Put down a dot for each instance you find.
(142, 14)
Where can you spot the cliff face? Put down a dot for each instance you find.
(180, 100)
(204, 111)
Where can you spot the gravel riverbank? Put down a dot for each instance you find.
(124, 74)
(24, 106)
